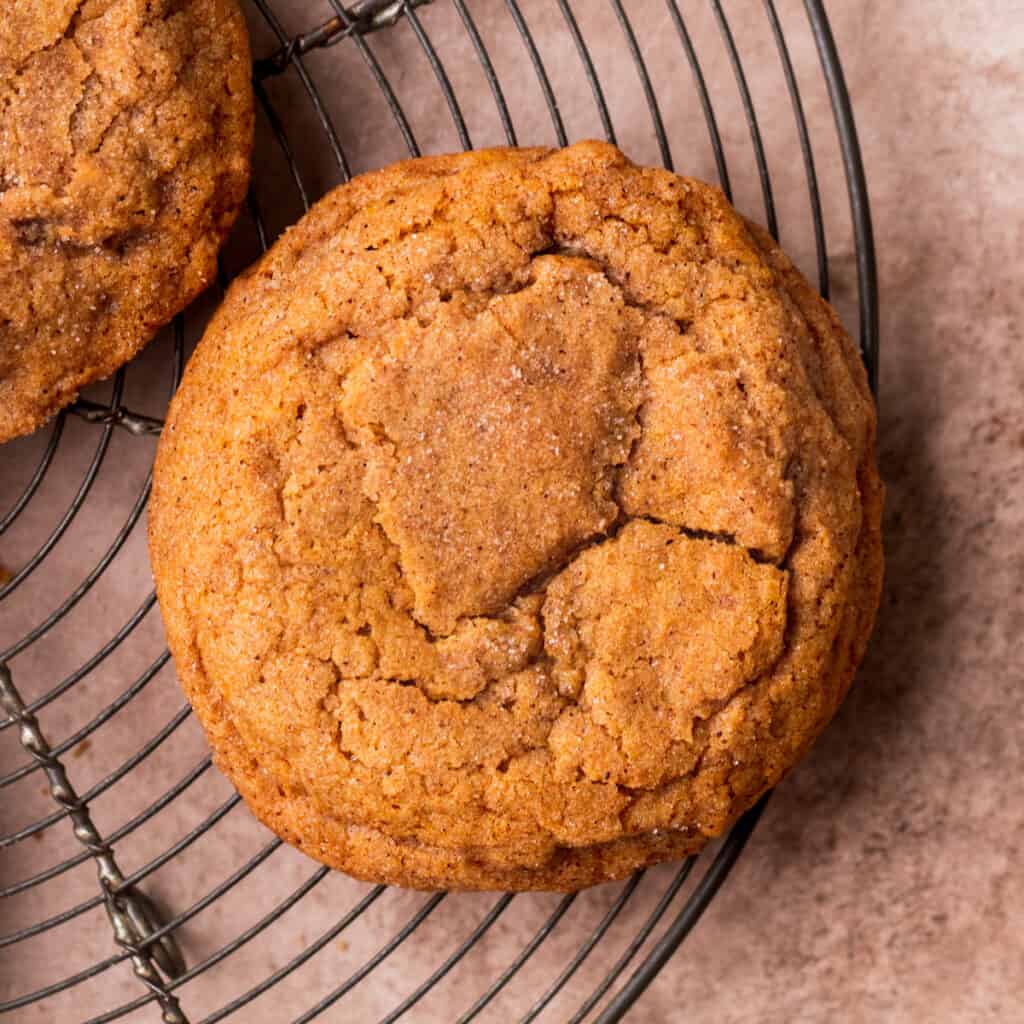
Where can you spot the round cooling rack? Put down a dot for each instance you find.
(103, 769)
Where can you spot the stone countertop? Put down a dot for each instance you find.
(884, 882)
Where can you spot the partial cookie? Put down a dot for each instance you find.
(517, 522)
(125, 138)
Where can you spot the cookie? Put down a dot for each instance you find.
(516, 525)
(125, 137)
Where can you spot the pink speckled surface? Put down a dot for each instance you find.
(885, 881)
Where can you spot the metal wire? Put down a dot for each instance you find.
(104, 716)
(492, 77)
(527, 951)
(376, 960)
(126, 829)
(235, 944)
(76, 503)
(148, 943)
(857, 187)
(588, 69)
(120, 771)
(807, 153)
(748, 110)
(635, 943)
(378, 73)
(539, 70)
(685, 920)
(586, 948)
(37, 477)
(441, 75)
(704, 96)
(311, 950)
(645, 82)
(465, 946)
(83, 670)
(130, 914)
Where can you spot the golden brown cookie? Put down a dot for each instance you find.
(517, 522)
(125, 134)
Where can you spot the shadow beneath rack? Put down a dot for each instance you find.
(880, 751)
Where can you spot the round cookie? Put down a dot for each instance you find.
(517, 522)
(125, 137)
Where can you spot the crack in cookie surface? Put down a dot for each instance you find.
(497, 436)
(541, 549)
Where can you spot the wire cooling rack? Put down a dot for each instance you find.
(195, 893)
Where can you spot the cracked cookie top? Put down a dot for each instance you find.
(516, 524)
(125, 132)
